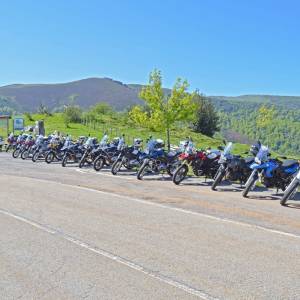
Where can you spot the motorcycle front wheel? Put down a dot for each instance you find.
(290, 192)
(143, 169)
(218, 178)
(249, 184)
(116, 166)
(99, 163)
(49, 157)
(180, 174)
(16, 153)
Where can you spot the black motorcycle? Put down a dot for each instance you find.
(232, 167)
(159, 161)
(129, 157)
(55, 150)
(73, 152)
(291, 190)
(89, 154)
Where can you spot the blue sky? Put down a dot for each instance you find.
(222, 47)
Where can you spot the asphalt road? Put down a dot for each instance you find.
(69, 233)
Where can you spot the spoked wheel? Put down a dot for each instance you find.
(217, 179)
(180, 174)
(25, 154)
(290, 192)
(145, 168)
(116, 166)
(65, 160)
(82, 162)
(16, 153)
(35, 156)
(99, 163)
(250, 184)
(49, 157)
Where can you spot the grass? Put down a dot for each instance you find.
(116, 127)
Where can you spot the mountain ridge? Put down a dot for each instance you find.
(88, 91)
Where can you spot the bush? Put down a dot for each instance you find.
(72, 114)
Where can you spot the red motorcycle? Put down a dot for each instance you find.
(11, 142)
(203, 163)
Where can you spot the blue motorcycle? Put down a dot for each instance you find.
(272, 173)
(156, 160)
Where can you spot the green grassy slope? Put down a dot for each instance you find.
(115, 128)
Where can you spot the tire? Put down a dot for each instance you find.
(116, 166)
(49, 157)
(249, 184)
(16, 153)
(289, 192)
(82, 161)
(65, 160)
(142, 170)
(218, 178)
(25, 154)
(180, 174)
(99, 163)
(35, 156)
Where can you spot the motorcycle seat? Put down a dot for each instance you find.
(288, 163)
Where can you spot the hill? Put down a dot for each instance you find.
(28, 97)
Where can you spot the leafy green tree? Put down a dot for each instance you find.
(72, 114)
(265, 116)
(162, 111)
(207, 119)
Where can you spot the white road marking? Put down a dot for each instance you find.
(182, 210)
(104, 174)
(111, 256)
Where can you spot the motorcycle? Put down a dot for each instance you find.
(88, 155)
(203, 163)
(272, 173)
(19, 145)
(108, 154)
(54, 150)
(129, 157)
(40, 149)
(232, 167)
(11, 142)
(157, 160)
(291, 190)
(27, 147)
(72, 152)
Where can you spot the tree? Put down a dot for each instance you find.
(163, 111)
(265, 116)
(207, 119)
(71, 114)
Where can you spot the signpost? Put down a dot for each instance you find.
(18, 123)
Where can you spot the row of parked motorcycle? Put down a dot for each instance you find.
(218, 164)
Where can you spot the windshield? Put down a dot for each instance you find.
(262, 154)
(228, 148)
(89, 141)
(104, 140)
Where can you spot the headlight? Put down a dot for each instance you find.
(257, 160)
